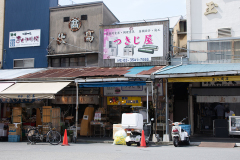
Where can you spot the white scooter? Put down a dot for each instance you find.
(179, 134)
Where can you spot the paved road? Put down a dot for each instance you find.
(101, 151)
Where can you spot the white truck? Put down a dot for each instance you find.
(133, 124)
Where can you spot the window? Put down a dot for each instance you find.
(66, 19)
(23, 63)
(56, 62)
(79, 61)
(64, 62)
(83, 17)
(68, 62)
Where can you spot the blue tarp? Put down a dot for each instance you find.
(112, 84)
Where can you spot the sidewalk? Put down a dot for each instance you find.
(195, 140)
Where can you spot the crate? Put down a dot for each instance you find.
(186, 127)
(47, 114)
(13, 138)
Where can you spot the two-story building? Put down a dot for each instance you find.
(211, 75)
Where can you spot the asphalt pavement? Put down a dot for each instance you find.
(105, 151)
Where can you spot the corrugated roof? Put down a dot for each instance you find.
(7, 74)
(90, 72)
(200, 68)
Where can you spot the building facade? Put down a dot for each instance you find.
(74, 34)
(213, 31)
(26, 33)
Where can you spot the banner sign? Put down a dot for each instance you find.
(72, 100)
(129, 101)
(214, 79)
(12, 100)
(134, 44)
(28, 38)
(132, 90)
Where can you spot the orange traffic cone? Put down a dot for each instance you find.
(143, 142)
(65, 139)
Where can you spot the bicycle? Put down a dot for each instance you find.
(52, 136)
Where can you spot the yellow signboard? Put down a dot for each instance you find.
(205, 79)
(130, 101)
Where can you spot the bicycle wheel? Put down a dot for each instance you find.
(32, 135)
(54, 137)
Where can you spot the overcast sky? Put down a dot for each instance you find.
(132, 10)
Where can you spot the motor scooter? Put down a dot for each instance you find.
(179, 133)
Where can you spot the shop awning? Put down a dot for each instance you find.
(199, 72)
(112, 84)
(3, 86)
(44, 90)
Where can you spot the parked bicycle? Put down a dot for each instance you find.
(52, 136)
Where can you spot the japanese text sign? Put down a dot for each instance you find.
(134, 44)
(28, 38)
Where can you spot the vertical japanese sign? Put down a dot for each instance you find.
(134, 44)
(28, 38)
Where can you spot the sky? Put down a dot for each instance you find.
(133, 10)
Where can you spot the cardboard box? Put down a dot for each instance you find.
(14, 129)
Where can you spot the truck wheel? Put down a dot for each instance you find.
(128, 143)
(175, 142)
(138, 143)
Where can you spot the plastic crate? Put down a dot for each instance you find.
(186, 127)
(13, 138)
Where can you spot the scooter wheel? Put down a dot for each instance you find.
(128, 143)
(175, 142)
(138, 143)
(188, 141)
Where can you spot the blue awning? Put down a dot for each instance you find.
(112, 84)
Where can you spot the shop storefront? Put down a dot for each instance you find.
(27, 104)
(197, 90)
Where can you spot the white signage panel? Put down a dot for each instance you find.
(134, 44)
(28, 38)
(132, 90)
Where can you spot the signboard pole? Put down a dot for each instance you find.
(166, 106)
(147, 104)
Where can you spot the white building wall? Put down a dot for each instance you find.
(200, 26)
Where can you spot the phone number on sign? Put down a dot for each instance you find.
(126, 60)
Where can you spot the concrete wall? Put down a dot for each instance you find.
(200, 26)
(155, 61)
(2, 11)
(108, 16)
(27, 15)
(179, 40)
(75, 39)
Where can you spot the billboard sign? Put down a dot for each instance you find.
(28, 38)
(132, 90)
(134, 44)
